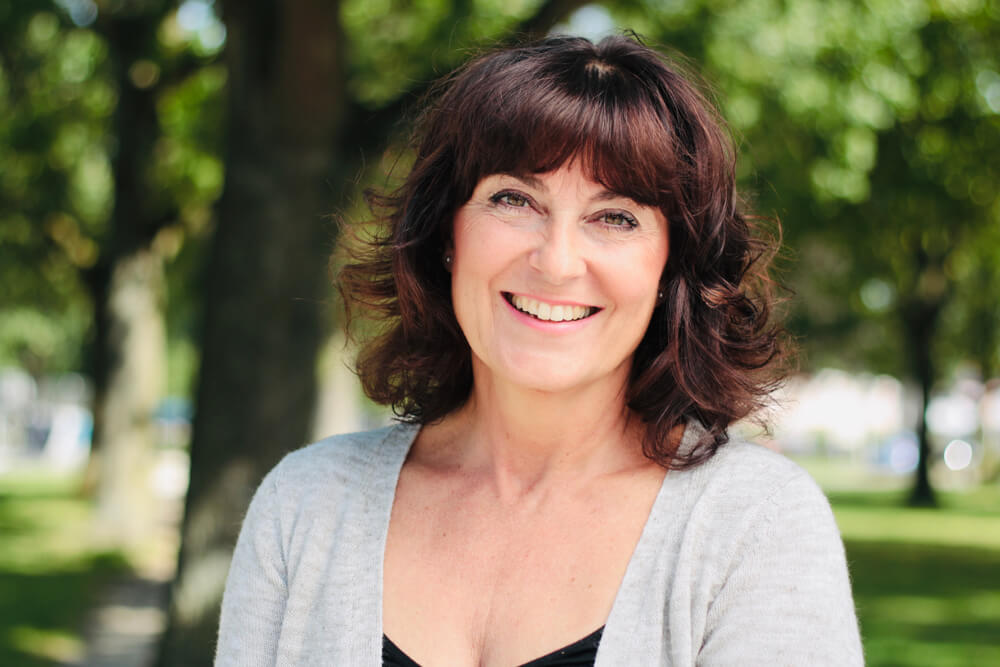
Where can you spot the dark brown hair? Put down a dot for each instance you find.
(639, 128)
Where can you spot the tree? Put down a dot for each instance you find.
(127, 281)
(314, 87)
(870, 130)
(55, 104)
(100, 196)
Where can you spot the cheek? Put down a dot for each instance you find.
(641, 282)
(468, 235)
(656, 267)
(473, 268)
(485, 247)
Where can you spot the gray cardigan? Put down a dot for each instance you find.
(740, 563)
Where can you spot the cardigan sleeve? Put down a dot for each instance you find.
(787, 597)
(253, 604)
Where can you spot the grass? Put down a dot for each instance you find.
(926, 582)
(927, 605)
(51, 568)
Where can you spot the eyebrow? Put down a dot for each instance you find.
(527, 179)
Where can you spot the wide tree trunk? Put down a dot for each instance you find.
(266, 282)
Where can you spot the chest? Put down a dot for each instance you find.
(468, 580)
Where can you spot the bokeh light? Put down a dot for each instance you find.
(958, 455)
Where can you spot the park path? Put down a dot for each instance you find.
(125, 626)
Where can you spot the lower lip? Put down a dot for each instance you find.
(543, 325)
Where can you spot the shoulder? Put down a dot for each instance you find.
(343, 453)
(746, 492)
(314, 492)
(742, 473)
(339, 465)
(781, 592)
(308, 533)
(748, 465)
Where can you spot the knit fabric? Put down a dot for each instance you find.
(740, 563)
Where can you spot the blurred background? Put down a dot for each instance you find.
(173, 175)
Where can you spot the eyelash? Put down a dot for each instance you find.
(625, 222)
(500, 197)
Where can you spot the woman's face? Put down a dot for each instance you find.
(554, 278)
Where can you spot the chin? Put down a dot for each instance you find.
(554, 376)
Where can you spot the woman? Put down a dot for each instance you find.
(575, 310)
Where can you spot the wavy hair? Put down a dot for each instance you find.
(640, 128)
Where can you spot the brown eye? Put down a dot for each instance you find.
(510, 198)
(618, 220)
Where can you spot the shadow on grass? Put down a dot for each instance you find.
(40, 613)
(927, 605)
(51, 569)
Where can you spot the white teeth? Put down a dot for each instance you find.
(548, 312)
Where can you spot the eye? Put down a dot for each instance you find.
(618, 220)
(510, 198)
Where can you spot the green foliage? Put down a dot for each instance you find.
(870, 129)
(38, 341)
(393, 44)
(59, 93)
(55, 107)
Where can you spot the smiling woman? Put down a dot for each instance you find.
(575, 310)
(626, 121)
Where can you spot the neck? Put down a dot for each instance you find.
(525, 438)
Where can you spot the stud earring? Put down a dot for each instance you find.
(659, 295)
(447, 261)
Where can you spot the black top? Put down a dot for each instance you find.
(581, 653)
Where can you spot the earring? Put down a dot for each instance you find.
(659, 295)
(447, 261)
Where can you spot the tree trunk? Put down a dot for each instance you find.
(136, 337)
(127, 289)
(922, 494)
(267, 279)
(920, 320)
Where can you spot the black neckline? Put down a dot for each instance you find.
(580, 649)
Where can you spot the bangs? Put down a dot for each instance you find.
(535, 120)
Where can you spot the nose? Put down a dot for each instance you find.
(558, 256)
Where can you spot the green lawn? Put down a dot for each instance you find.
(926, 582)
(51, 567)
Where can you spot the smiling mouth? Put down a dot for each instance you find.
(546, 312)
